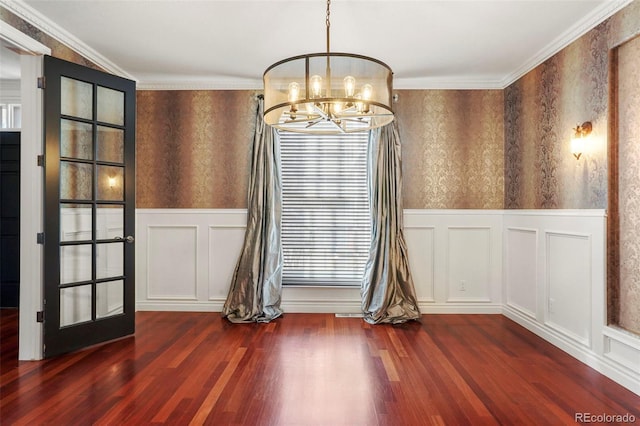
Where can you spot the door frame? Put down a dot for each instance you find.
(31, 192)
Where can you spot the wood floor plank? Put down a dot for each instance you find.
(316, 369)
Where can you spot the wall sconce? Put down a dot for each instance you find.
(579, 139)
(112, 182)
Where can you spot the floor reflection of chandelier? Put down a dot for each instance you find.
(351, 92)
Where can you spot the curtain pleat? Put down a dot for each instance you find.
(388, 292)
(256, 286)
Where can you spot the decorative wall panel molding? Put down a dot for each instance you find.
(172, 262)
(421, 243)
(623, 348)
(469, 264)
(521, 264)
(569, 285)
(225, 244)
(215, 240)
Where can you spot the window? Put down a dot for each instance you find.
(325, 208)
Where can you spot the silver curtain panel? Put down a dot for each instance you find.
(388, 292)
(256, 286)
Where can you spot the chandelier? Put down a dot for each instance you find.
(328, 93)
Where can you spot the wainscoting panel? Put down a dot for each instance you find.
(569, 285)
(456, 259)
(623, 348)
(172, 262)
(420, 243)
(225, 244)
(520, 269)
(469, 265)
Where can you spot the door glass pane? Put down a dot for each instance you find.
(110, 106)
(109, 260)
(75, 305)
(109, 222)
(75, 222)
(76, 139)
(76, 98)
(109, 298)
(110, 144)
(76, 181)
(75, 263)
(110, 183)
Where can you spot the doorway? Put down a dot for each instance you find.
(9, 219)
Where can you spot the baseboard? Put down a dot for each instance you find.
(320, 306)
(177, 306)
(616, 372)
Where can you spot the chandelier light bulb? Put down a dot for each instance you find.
(316, 85)
(337, 107)
(294, 91)
(310, 108)
(349, 86)
(367, 92)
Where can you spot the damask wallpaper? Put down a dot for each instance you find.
(628, 107)
(541, 109)
(452, 148)
(193, 148)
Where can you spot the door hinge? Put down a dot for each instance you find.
(41, 160)
(41, 83)
(40, 238)
(40, 316)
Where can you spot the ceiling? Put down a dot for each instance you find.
(227, 44)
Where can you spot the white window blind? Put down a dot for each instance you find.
(325, 208)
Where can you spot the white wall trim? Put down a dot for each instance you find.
(20, 39)
(31, 176)
(40, 21)
(581, 27)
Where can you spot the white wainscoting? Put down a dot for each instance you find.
(544, 269)
(186, 258)
(456, 259)
(555, 286)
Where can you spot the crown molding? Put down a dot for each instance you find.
(23, 41)
(581, 27)
(424, 83)
(35, 18)
(209, 84)
(446, 83)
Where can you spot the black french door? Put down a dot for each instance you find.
(89, 213)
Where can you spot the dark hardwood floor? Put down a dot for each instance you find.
(196, 368)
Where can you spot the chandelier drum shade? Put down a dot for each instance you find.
(350, 92)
